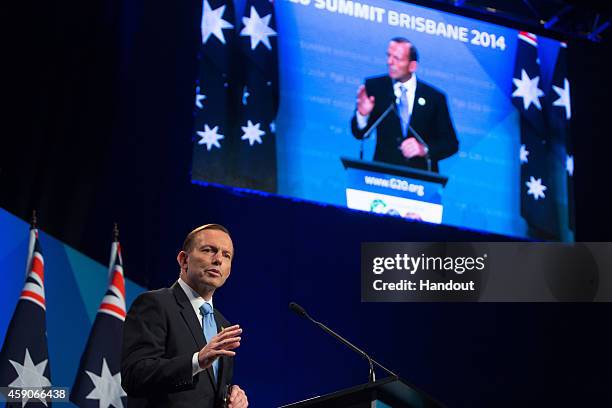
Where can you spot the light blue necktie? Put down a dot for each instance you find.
(403, 110)
(209, 326)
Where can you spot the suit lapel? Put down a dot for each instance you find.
(417, 109)
(195, 327)
(189, 316)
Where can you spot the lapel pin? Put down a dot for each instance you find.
(422, 101)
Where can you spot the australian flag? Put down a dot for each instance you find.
(98, 380)
(538, 206)
(560, 113)
(256, 153)
(216, 101)
(24, 359)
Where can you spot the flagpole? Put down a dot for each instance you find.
(113, 254)
(31, 242)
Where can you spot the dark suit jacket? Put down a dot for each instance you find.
(431, 120)
(160, 336)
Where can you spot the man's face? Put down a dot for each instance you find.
(207, 264)
(398, 61)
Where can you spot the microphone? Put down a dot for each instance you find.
(300, 311)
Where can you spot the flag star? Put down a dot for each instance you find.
(564, 98)
(252, 133)
(199, 98)
(536, 188)
(258, 29)
(523, 153)
(569, 164)
(210, 137)
(245, 95)
(30, 375)
(107, 387)
(213, 23)
(527, 89)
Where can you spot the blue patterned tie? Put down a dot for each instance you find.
(403, 110)
(210, 329)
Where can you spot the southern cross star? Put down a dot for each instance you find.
(564, 98)
(527, 89)
(252, 133)
(536, 188)
(213, 23)
(258, 28)
(210, 137)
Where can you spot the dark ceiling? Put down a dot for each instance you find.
(588, 19)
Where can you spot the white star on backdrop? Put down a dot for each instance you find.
(210, 137)
(199, 98)
(30, 376)
(252, 133)
(245, 95)
(569, 164)
(564, 98)
(523, 153)
(258, 28)
(536, 188)
(213, 23)
(527, 89)
(107, 387)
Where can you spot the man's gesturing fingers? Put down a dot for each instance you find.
(221, 344)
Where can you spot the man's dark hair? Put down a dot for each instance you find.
(188, 243)
(414, 54)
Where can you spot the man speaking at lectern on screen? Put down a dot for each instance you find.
(417, 130)
(177, 348)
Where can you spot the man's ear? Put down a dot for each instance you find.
(412, 67)
(181, 258)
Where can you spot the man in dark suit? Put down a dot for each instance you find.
(415, 104)
(178, 349)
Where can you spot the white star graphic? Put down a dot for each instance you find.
(564, 98)
(245, 95)
(527, 89)
(252, 133)
(569, 164)
(258, 28)
(107, 387)
(523, 153)
(30, 376)
(210, 137)
(536, 188)
(199, 98)
(213, 23)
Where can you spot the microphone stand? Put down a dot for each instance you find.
(373, 127)
(392, 107)
(372, 375)
(421, 141)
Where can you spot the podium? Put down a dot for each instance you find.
(386, 393)
(395, 190)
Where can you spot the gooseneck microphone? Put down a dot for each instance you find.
(300, 311)
(372, 128)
